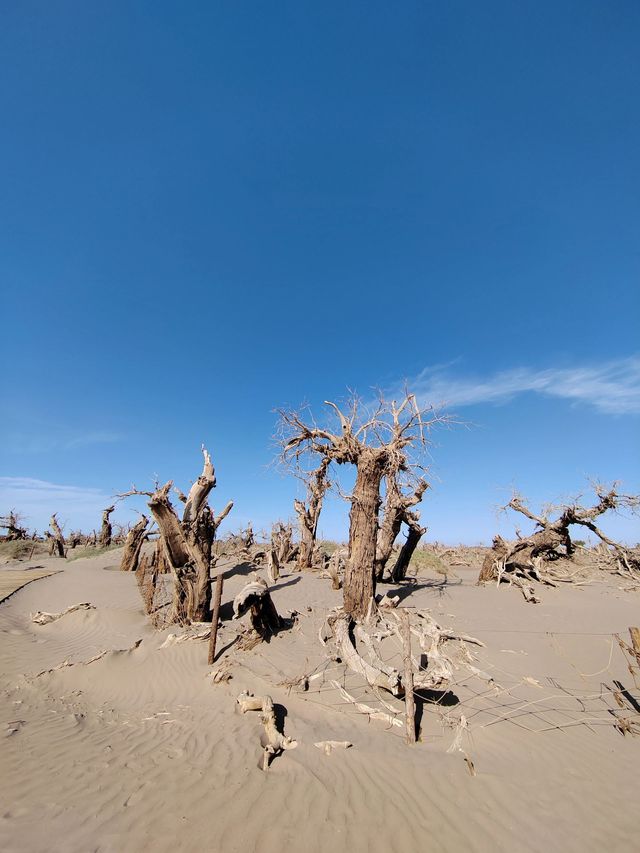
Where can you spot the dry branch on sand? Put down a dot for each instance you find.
(41, 617)
(273, 742)
(543, 556)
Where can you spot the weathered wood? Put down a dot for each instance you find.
(359, 578)
(106, 529)
(254, 597)
(57, 539)
(274, 741)
(409, 700)
(309, 513)
(133, 544)
(635, 642)
(214, 619)
(414, 535)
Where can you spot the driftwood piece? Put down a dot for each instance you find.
(273, 742)
(41, 617)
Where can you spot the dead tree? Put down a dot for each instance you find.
(188, 543)
(534, 557)
(133, 545)
(414, 535)
(397, 509)
(308, 513)
(105, 530)
(11, 523)
(57, 539)
(374, 445)
(282, 543)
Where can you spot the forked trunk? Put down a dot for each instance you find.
(359, 577)
(414, 536)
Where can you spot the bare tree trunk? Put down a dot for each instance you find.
(359, 578)
(133, 544)
(307, 536)
(387, 535)
(308, 515)
(105, 530)
(57, 539)
(414, 536)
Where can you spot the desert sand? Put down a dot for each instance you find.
(138, 750)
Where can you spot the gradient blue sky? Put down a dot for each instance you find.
(209, 210)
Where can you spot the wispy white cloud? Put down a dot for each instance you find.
(77, 506)
(35, 441)
(612, 387)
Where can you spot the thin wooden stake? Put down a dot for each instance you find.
(635, 642)
(214, 619)
(409, 701)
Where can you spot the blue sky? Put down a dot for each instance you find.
(211, 210)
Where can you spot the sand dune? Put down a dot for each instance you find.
(139, 751)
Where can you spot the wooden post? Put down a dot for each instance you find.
(214, 619)
(409, 701)
(635, 642)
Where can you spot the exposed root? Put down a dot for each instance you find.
(372, 713)
(273, 741)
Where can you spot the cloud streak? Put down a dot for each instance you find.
(611, 387)
(37, 499)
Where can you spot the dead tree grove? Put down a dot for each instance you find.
(187, 543)
(374, 445)
(308, 513)
(536, 557)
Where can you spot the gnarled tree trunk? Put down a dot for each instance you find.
(133, 544)
(359, 578)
